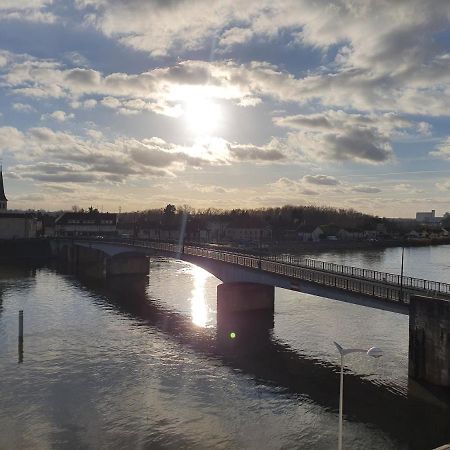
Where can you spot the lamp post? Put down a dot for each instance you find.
(374, 352)
(401, 276)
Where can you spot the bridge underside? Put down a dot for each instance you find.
(229, 273)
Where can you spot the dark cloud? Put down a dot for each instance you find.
(360, 145)
(87, 78)
(254, 153)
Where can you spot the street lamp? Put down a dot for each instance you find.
(374, 352)
(401, 276)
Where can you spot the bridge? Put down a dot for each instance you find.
(248, 283)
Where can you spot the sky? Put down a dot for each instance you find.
(134, 104)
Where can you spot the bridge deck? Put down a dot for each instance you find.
(381, 285)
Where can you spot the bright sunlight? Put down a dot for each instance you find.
(202, 116)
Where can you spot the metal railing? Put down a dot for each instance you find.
(365, 281)
(367, 274)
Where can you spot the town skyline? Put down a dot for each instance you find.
(139, 104)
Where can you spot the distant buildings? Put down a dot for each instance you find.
(71, 224)
(247, 229)
(428, 217)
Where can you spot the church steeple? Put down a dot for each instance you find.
(3, 199)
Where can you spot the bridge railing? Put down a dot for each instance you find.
(371, 282)
(367, 274)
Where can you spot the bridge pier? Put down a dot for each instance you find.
(94, 263)
(429, 340)
(244, 317)
(242, 297)
(127, 264)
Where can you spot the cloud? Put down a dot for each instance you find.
(235, 36)
(339, 136)
(59, 116)
(387, 57)
(271, 152)
(322, 180)
(366, 189)
(49, 156)
(23, 107)
(443, 185)
(11, 139)
(164, 90)
(443, 149)
(27, 10)
(290, 187)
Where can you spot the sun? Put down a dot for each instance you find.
(202, 116)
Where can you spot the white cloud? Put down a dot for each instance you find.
(11, 139)
(27, 10)
(23, 107)
(443, 149)
(443, 186)
(387, 56)
(59, 116)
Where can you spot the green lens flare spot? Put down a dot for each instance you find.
(232, 335)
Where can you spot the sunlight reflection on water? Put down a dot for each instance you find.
(199, 306)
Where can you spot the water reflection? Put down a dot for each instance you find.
(111, 364)
(255, 352)
(199, 307)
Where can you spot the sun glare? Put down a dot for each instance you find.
(199, 307)
(202, 116)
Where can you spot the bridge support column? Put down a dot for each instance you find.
(429, 340)
(244, 317)
(241, 297)
(127, 265)
(90, 262)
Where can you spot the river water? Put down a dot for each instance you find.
(141, 363)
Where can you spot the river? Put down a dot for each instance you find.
(141, 363)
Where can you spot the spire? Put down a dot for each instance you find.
(2, 190)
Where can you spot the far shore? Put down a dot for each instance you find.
(325, 246)
(329, 246)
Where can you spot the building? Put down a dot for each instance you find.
(247, 229)
(14, 225)
(309, 233)
(428, 217)
(3, 199)
(17, 225)
(71, 224)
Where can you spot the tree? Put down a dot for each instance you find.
(170, 210)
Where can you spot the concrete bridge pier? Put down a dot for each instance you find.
(90, 262)
(94, 263)
(244, 317)
(127, 264)
(243, 297)
(429, 340)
